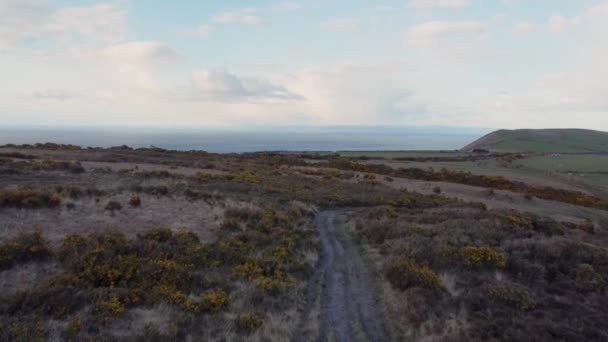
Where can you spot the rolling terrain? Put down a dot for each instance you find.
(543, 140)
(151, 244)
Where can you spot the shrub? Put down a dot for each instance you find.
(23, 248)
(407, 273)
(74, 324)
(390, 212)
(587, 279)
(230, 224)
(215, 299)
(159, 190)
(29, 198)
(369, 176)
(514, 296)
(135, 201)
(248, 322)
(109, 309)
(195, 195)
(482, 256)
(113, 205)
(586, 226)
(71, 191)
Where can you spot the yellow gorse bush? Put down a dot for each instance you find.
(483, 256)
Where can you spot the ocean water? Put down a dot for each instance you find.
(251, 140)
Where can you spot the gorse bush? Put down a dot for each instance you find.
(135, 201)
(588, 279)
(511, 295)
(23, 248)
(155, 190)
(248, 322)
(44, 165)
(104, 276)
(113, 206)
(406, 273)
(29, 198)
(483, 256)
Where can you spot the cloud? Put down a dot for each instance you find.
(430, 33)
(425, 4)
(220, 85)
(25, 21)
(54, 94)
(523, 28)
(289, 6)
(340, 24)
(357, 93)
(203, 30)
(19, 19)
(245, 17)
(100, 23)
(558, 23)
(138, 52)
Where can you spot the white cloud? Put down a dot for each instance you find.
(100, 23)
(430, 33)
(558, 23)
(340, 24)
(245, 17)
(424, 4)
(18, 19)
(289, 6)
(220, 85)
(26, 21)
(203, 30)
(138, 52)
(54, 94)
(523, 28)
(357, 93)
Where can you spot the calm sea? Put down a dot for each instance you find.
(251, 140)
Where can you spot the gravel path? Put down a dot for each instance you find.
(350, 309)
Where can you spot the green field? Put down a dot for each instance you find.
(543, 140)
(578, 171)
(401, 154)
(586, 168)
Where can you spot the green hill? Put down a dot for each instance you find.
(543, 140)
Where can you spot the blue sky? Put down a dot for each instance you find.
(462, 63)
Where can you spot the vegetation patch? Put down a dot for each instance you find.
(25, 247)
(493, 182)
(29, 198)
(407, 273)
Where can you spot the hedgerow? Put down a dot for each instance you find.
(462, 177)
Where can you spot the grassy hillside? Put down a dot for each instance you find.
(543, 140)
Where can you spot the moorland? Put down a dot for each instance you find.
(158, 245)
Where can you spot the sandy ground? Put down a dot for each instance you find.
(90, 216)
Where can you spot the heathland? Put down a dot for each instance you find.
(152, 244)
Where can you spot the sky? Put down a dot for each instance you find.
(261, 63)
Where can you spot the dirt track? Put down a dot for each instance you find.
(350, 309)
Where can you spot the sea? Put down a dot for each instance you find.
(242, 139)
